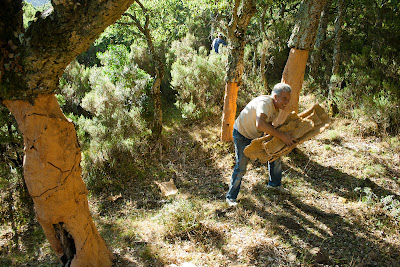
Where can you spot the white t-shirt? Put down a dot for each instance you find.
(246, 121)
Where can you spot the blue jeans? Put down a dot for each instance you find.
(275, 167)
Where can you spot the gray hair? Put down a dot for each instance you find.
(281, 87)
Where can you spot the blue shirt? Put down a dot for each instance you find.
(217, 42)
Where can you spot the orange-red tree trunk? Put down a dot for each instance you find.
(293, 74)
(53, 176)
(31, 63)
(237, 29)
(301, 41)
(229, 111)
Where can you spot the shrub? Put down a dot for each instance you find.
(116, 95)
(389, 204)
(198, 78)
(117, 125)
(181, 218)
(74, 84)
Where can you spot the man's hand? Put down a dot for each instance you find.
(287, 138)
(266, 127)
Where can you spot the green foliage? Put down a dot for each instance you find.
(368, 63)
(74, 84)
(181, 218)
(30, 11)
(114, 60)
(198, 78)
(389, 204)
(117, 130)
(109, 105)
(382, 108)
(166, 23)
(16, 207)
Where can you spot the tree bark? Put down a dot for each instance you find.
(320, 40)
(229, 111)
(237, 41)
(301, 41)
(338, 37)
(31, 64)
(50, 43)
(293, 74)
(263, 69)
(335, 80)
(53, 176)
(157, 123)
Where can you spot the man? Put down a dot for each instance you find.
(253, 121)
(217, 41)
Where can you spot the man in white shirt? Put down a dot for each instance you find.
(253, 121)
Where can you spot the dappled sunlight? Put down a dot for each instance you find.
(143, 105)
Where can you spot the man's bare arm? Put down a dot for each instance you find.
(264, 126)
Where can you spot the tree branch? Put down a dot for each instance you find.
(263, 20)
(136, 22)
(59, 35)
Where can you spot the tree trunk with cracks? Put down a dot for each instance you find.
(241, 17)
(31, 64)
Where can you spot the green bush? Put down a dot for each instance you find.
(74, 84)
(198, 79)
(117, 124)
(181, 218)
(116, 95)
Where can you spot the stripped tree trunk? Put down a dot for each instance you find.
(293, 74)
(53, 176)
(237, 40)
(301, 41)
(31, 64)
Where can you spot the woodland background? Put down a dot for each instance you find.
(106, 91)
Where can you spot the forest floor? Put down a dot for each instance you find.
(341, 209)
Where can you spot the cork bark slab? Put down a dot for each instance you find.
(303, 127)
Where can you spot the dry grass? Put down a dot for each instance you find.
(323, 221)
(327, 219)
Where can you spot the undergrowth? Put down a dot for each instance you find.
(342, 207)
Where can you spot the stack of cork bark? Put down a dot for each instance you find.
(301, 126)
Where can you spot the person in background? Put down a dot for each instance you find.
(253, 121)
(217, 41)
